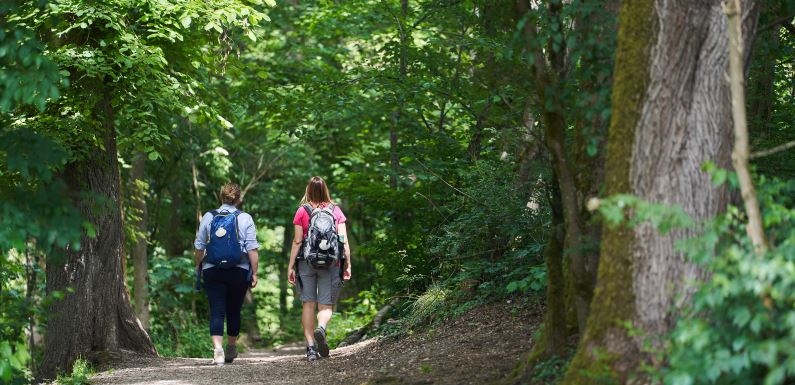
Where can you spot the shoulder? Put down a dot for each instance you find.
(300, 212)
(337, 208)
(244, 216)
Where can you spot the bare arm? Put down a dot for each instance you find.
(253, 258)
(294, 249)
(199, 257)
(343, 230)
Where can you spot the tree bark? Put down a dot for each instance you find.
(403, 32)
(95, 318)
(671, 113)
(555, 327)
(282, 266)
(139, 253)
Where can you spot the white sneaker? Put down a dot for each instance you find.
(218, 357)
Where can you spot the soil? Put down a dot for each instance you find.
(480, 347)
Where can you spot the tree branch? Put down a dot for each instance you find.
(771, 151)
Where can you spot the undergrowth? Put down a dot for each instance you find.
(81, 374)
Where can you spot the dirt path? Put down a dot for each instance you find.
(479, 347)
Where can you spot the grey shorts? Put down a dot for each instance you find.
(319, 285)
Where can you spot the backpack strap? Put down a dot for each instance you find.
(308, 209)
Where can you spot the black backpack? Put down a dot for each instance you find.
(321, 246)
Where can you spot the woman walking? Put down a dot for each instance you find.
(227, 259)
(315, 263)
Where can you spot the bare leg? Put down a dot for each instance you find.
(230, 340)
(218, 342)
(324, 314)
(308, 321)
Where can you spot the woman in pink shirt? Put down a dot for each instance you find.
(319, 286)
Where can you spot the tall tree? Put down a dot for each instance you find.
(671, 100)
(97, 316)
(134, 79)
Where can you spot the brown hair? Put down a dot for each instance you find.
(230, 194)
(316, 192)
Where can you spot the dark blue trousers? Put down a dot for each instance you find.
(226, 289)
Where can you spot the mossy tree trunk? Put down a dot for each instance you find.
(549, 71)
(671, 113)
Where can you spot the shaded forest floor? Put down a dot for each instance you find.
(479, 347)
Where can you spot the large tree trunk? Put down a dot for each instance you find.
(138, 252)
(95, 318)
(671, 113)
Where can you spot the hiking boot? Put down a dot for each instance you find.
(218, 356)
(311, 353)
(320, 338)
(231, 353)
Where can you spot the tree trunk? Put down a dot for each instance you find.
(555, 321)
(250, 317)
(139, 254)
(403, 32)
(95, 318)
(671, 113)
(282, 266)
(547, 73)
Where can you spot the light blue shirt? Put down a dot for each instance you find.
(245, 226)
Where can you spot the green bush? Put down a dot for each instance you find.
(740, 328)
(175, 329)
(13, 361)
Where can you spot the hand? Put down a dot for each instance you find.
(346, 275)
(291, 276)
(253, 281)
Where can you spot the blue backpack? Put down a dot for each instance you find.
(223, 247)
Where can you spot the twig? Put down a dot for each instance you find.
(771, 151)
(448, 184)
(262, 172)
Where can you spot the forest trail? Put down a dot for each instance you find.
(479, 347)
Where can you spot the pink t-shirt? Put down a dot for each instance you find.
(302, 217)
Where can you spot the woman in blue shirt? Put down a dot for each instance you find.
(226, 288)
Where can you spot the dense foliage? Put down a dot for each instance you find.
(739, 328)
